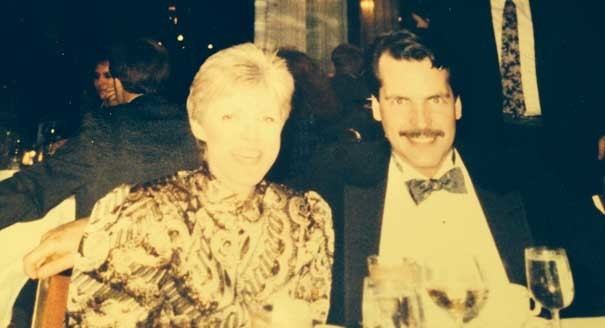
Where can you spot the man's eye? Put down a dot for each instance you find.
(439, 100)
(398, 101)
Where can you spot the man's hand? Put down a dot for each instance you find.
(602, 148)
(56, 251)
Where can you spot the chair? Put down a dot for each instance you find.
(51, 302)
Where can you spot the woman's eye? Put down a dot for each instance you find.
(268, 119)
(226, 117)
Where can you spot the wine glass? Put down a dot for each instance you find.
(390, 295)
(457, 285)
(549, 279)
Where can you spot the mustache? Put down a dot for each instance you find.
(430, 133)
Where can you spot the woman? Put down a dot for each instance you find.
(103, 82)
(211, 247)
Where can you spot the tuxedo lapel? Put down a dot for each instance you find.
(507, 221)
(363, 204)
(363, 212)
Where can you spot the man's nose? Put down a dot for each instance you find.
(421, 116)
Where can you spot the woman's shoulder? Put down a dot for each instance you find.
(305, 205)
(136, 217)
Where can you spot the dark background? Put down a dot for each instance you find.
(46, 46)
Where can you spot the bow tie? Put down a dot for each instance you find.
(452, 181)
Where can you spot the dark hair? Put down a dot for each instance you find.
(142, 66)
(347, 59)
(413, 46)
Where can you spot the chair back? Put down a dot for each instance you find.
(51, 302)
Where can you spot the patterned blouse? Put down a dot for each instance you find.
(183, 252)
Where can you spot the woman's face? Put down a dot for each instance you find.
(242, 131)
(103, 81)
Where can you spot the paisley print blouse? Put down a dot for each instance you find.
(184, 252)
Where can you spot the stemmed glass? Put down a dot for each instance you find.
(456, 284)
(549, 279)
(390, 295)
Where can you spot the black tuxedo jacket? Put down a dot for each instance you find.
(358, 203)
(352, 178)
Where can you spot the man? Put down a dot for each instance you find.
(414, 196)
(526, 90)
(143, 138)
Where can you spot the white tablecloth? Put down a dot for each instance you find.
(16, 241)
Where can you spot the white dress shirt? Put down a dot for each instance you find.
(526, 50)
(444, 222)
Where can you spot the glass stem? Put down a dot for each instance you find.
(555, 319)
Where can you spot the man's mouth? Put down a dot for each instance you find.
(426, 133)
(422, 140)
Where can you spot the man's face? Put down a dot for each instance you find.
(418, 111)
(242, 131)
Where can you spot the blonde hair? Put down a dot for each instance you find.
(243, 65)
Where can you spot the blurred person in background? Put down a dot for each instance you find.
(143, 138)
(526, 90)
(315, 112)
(350, 87)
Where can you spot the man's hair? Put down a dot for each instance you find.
(143, 66)
(412, 46)
(242, 65)
(347, 59)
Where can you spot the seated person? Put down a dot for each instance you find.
(417, 194)
(213, 245)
